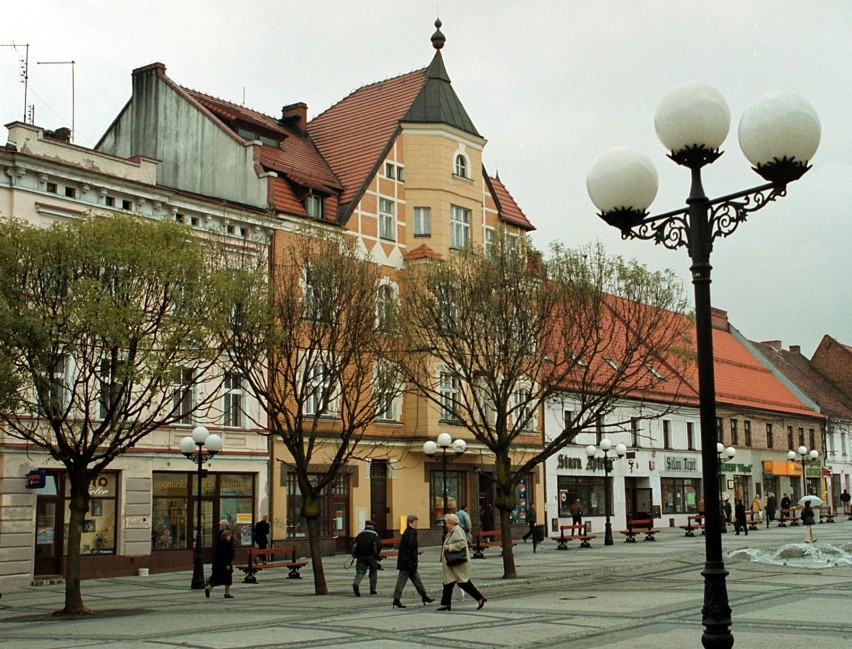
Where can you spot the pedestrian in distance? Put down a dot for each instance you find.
(488, 518)
(740, 518)
(465, 524)
(756, 509)
(808, 522)
(222, 572)
(406, 563)
(726, 510)
(771, 508)
(845, 498)
(576, 510)
(261, 535)
(366, 550)
(699, 509)
(531, 521)
(786, 503)
(455, 541)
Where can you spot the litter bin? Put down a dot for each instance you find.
(539, 533)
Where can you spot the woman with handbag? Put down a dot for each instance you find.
(455, 565)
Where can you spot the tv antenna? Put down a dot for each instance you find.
(25, 66)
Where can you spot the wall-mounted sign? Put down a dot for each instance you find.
(684, 463)
(36, 479)
(568, 462)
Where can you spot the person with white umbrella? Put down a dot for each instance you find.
(808, 522)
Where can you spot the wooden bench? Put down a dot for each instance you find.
(485, 540)
(828, 515)
(753, 519)
(392, 551)
(788, 515)
(693, 522)
(272, 560)
(640, 526)
(575, 533)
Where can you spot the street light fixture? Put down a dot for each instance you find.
(620, 450)
(728, 454)
(779, 135)
(445, 442)
(198, 448)
(804, 455)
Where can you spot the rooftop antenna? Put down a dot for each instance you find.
(25, 66)
(73, 93)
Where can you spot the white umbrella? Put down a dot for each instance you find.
(815, 501)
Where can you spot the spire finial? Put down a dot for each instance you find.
(438, 39)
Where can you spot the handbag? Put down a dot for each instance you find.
(455, 557)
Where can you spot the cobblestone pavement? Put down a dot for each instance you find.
(626, 596)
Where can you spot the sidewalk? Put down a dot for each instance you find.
(646, 595)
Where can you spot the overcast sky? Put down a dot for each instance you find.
(549, 84)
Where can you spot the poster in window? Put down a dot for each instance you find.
(89, 525)
(97, 508)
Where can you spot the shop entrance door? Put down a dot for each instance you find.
(379, 497)
(49, 530)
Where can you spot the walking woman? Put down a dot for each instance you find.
(808, 522)
(406, 563)
(456, 541)
(222, 573)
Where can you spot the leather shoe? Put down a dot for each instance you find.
(443, 608)
(357, 591)
(481, 603)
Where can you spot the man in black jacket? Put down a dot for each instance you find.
(366, 552)
(406, 563)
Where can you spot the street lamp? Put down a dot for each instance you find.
(620, 450)
(728, 454)
(445, 442)
(804, 455)
(198, 448)
(779, 134)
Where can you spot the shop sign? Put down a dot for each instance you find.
(687, 463)
(568, 462)
(36, 479)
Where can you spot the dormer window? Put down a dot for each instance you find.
(314, 206)
(461, 166)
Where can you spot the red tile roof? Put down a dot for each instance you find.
(508, 209)
(354, 133)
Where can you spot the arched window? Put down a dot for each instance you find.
(461, 166)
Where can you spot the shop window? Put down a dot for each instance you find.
(680, 495)
(99, 524)
(455, 495)
(333, 520)
(589, 490)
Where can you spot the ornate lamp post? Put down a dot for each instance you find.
(804, 455)
(445, 442)
(779, 135)
(198, 448)
(620, 451)
(728, 454)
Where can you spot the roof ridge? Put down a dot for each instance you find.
(227, 101)
(368, 85)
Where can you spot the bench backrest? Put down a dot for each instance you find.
(489, 534)
(640, 522)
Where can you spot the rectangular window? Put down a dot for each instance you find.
(567, 419)
(735, 434)
(489, 239)
(109, 201)
(790, 444)
(667, 433)
(98, 532)
(812, 438)
(801, 436)
(455, 490)
(387, 219)
(386, 391)
(599, 433)
(232, 409)
(680, 495)
(690, 436)
(635, 438)
(317, 397)
(523, 410)
(58, 395)
(770, 442)
(460, 222)
(126, 205)
(747, 432)
(449, 388)
(422, 221)
(588, 490)
(71, 192)
(333, 518)
(400, 173)
(51, 188)
(389, 170)
(184, 394)
(314, 206)
(719, 429)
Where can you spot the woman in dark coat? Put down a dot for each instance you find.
(222, 573)
(808, 522)
(406, 563)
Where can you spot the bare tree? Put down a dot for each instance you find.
(312, 338)
(105, 331)
(510, 331)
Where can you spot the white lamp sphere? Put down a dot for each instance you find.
(791, 455)
(199, 434)
(691, 114)
(779, 125)
(719, 448)
(430, 448)
(591, 450)
(803, 450)
(814, 454)
(187, 446)
(730, 452)
(213, 443)
(622, 177)
(445, 440)
(459, 446)
(620, 450)
(605, 444)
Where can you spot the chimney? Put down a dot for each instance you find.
(719, 319)
(62, 134)
(775, 344)
(296, 115)
(796, 349)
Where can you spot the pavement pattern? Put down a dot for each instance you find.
(645, 595)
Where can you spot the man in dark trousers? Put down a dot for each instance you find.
(740, 518)
(261, 535)
(366, 553)
(845, 498)
(786, 503)
(531, 521)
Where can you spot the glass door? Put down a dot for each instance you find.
(49, 532)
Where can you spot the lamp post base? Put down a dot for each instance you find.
(197, 570)
(716, 614)
(608, 533)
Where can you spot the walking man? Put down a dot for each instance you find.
(366, 552)
(406, 563)
(261, 535)
(531, 521)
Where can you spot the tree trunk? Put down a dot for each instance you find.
(79, 506)
(505, 502)
(311, 511)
